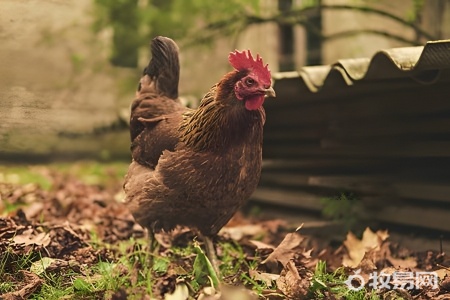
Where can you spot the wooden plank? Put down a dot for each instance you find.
(410, 215)
(423, 191)
(415, 126)
(373, 185)
(296, 199)
(293, 90)
(299, 164)
(397, 104)
(384, 184)
(287, 133)
(435, 169)
(286, 179)
(360, 128)
(362, 184)
(335, 148)
(421, 216)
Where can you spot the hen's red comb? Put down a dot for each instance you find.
(243, 60)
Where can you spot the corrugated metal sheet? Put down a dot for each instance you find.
(413, 62)
(377, 127)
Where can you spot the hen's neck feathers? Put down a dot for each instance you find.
(221, 120)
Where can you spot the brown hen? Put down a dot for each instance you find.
(195, 167)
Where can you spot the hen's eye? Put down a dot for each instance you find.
(249, 81)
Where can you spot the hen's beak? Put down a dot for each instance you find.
(270, 92)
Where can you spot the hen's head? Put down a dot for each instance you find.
(255, 85)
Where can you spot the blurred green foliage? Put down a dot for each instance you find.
(89, 172)
(135, 22)
(343, 208)
(199, 22)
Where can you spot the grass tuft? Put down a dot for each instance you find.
(324, 284)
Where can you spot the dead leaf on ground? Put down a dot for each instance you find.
(273, 226)
(181, 292)
(292, 284)
(39, 267)
(238, 232)
(29, 237)
(285, 251)
(227, 292)
(406, 263)
(444, 283)
(261, 245)
(356, 248)
(267, 278)
(443, 273)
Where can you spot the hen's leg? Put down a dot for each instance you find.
(211, 253)
(151, 240)
(153, 245)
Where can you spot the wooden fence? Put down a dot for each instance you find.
(378, 128)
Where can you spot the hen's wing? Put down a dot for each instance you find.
(156, 112)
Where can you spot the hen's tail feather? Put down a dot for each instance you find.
(164, 67)
(157, 93)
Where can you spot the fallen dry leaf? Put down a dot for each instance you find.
(39, 267)
(261, 245)
(274, 225)
(238, 232)
(357, 248)
(407, 263)
(443, 273)
(285, 251)
(226, 292)
(33, 209)
(444, 282)
(292, 284)
(267, 278)
(29, 238)
(181, 292)
(229, 292)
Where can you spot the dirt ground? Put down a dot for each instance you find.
(66, 224)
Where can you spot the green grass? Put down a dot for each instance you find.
(102, 278)
(55, 287)
(324, 283)
(232, 260)
(24, 175)
(89, 172)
